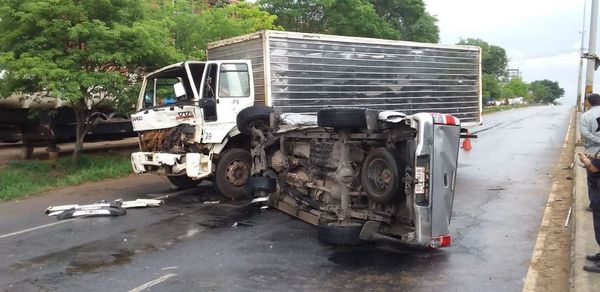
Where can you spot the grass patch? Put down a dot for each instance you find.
(22, 178)
(497, 108)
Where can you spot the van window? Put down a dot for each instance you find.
(234, 80)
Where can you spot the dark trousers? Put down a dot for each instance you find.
(594, 195)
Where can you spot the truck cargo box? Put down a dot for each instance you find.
(302, 72)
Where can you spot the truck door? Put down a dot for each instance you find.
(233, 91)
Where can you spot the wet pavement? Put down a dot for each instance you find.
(191, 245)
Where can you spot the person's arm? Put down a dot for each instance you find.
(586, 131)
(591, 165)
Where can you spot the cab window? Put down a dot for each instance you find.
(234, 80)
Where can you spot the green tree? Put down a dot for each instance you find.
(515, 87)
(491, 87)
(194, 24)
(85, 52)
(493, 58)
(342, 17)
(546, 91)
(410, 18)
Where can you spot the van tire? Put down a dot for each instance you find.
(257, 184)
(342, 118)
(232, 172)
(340, 234)
(183, 182)
(381, 177)
(250, 116)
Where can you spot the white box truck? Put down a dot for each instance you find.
(187, 111)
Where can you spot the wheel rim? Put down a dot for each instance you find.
(237, 173)
(379, 175)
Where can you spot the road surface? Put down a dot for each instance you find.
(191, 244)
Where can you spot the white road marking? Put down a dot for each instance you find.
(33, 229)
(152, 283)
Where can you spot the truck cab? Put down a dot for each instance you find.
(186, 123)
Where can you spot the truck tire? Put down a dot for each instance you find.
(342, 118)
(340, 234)
(183, 182)
(257, 184)
(380, 175)
(250, 116)
(232, 172)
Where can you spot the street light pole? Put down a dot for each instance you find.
(591, 62)
(579, 78)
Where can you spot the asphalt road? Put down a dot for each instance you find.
(191, 244)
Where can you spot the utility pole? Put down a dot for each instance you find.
(579, 78)
(591, 56)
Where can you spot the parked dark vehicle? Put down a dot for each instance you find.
(359, 175)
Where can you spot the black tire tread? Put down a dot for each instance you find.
(257, 112)
(235, 193)
(342, 118)
(397, 171)
(259, 183)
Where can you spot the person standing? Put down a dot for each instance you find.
(589, 125)
(592, 165)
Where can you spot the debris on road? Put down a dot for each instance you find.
(102, 208)
(211, 202)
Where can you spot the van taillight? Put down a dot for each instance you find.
(422, 181)
(444, 119)
(441, 241)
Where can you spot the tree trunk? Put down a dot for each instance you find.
(81, 115)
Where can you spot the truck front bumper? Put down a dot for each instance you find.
(194, 165)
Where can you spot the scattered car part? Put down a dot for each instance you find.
(102, 208)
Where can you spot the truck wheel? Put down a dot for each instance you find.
(183, 182)
(257, 184)
(342, 118)
(251, 116)
(340, 234)
(232, 172)
(380, 175)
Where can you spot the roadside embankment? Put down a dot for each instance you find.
(20, 178)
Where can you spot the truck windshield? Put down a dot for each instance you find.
(168, 87)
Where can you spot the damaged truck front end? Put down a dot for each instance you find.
(360, 175)
(186, 124)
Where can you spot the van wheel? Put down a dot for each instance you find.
(232, 172)
(380, 176)
(347, 234)
(183, 182)
(253, 116)
(342, 118)
(256, 184)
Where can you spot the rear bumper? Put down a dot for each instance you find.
(194, 165)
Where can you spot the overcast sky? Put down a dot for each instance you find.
(541, 37)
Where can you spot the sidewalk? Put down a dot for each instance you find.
(583, 234)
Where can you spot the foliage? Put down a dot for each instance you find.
(493, 58)
(194, 24)
(515, 87)
(342, 17)
(546, 91)
(84, 52)
(21, 178)
(410, 18)
(491, 87)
